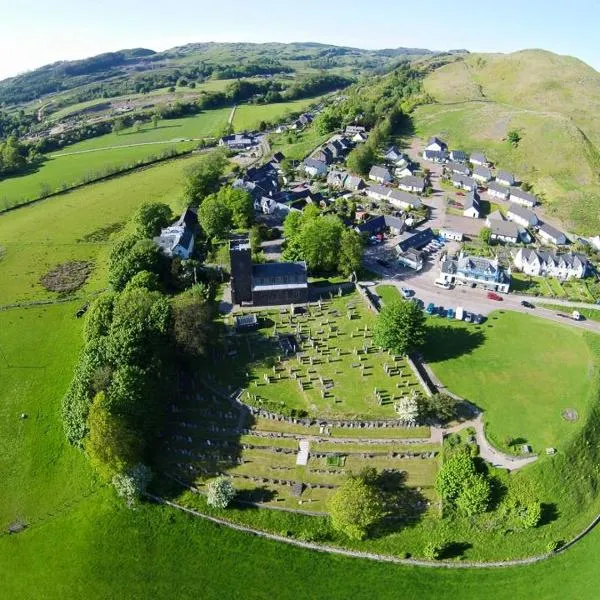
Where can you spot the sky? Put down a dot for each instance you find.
(38, 32)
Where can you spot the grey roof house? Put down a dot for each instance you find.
(380, 174)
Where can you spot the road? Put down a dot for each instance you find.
(471, 299)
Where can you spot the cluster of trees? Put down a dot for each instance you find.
(400, 327)
(357, 505)
(135, 338)
(440, 408)
(15, 124)
(228, 208)
(322, 241)
(15, 157)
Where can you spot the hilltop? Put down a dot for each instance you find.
(551, 100)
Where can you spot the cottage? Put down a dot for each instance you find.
(354, 129)
(178, 238)
(551, 235)
(408, 248)
(380, 174)
(504, 231)
(403, 200)
(482, 174)
(476, 271)
(412, 258)
(393, 154)
(458, 156)
(458, 168)
(401, 172)
(505, 178)
(464, 183)
(521, 215)
(377, 192)
(518, 196)
(353, 183)
(550, 264)
(471, 206)
(324, 155)
(436, 156)
(237, 141)
(479, 159)
(359, 137)
(494, 216)
(395, 225)
(449, 234)
(412, 184)
(436, 145)
(314, 167)
(336, 178)
(496, 190)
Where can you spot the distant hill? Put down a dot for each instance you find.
(552, 100)
(140, 69)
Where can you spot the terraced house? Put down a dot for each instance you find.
(550, 264)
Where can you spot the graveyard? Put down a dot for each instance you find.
(296, 400)
(319, 362)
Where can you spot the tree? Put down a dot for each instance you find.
(441, 407)
(138, 125)
(110, 446)
(150, 218)
(456, 471)
(292, 225)
(214, 216)
(407, 409)
(485, 235)
(155, 119)
(433, 550)
(240, 204)
(118, 126)
(130, 256)
(400, 327)
(203, 177)
(514, 137)
(327, 121)
(145, 280)
(356, 506)
(361, 159)
(133, 484)
(351, 250)
(320, 243)
(255, 239)
(475, 495)
(220, 492)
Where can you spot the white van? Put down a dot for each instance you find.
(459, 314)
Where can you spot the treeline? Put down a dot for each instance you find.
(16, 157)
(136, 339)
(15, 125)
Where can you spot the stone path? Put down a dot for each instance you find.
(303, 452)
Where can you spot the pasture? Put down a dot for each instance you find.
(248, 116)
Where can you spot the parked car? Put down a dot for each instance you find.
(478, 319)
(383, 263)
(527, 304)
(494, 296)
(441, 311)
(450, 313)
(442, 284)
(406, 293)
(430, 308)
(468, 317)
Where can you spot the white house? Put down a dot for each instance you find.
(551, 235)
(380, 174)
(178, 238)
(550, 264)
(479, 159)
(393, 154)
(436, 156)
(436, 145)
(496, 190)
(412, 184)
(458, 156)
(403, 200)
(458, 168)
(505, 178)
(494, 216)
(463, 182)
(377, 192)
(354, 183)
(518, 196)
(359, 137)
(336, 178)
(449, 234)
(522, 216)
(504, 231)
(401, 172)
(595, 241)
(314, 168)
(476, 271)
(471, 207)
(482, 174)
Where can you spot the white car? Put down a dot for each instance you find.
(442, 284)
(406, 293)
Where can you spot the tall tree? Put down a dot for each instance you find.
(400, 327)
(150, 218)
(214, 216)
(361, 159)
(320, 243)
(203, 177)
(351, 250)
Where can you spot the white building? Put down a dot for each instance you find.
(496, 190)
(314, 168)
(475, 270)
(505, 178)
(436, 145)
(478, 159)
(462, 182)
(550, 264)
(471, 207)
(482, 174)
(449, 234)
(380, 174)
(412, 184)
(522, 216)
(403, 200)
(518, 196)
(551, 235)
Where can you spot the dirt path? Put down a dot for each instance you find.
(173, 141)
(231, 115)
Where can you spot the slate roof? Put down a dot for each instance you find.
(435, 155)
(463, 180)
(482, 172)
(498, 187)
(552, 232)
(382, 172)
(472, 201)
(458, 167)
(405, 198)
(504, 228)
(436, 140)
(317, 164)
(505, 176)
(569, 260)
(353, 182)
(495, 216)
(412, 181)
(523, 213)
(188, 218)
(478, 157)
(415, 239)
(276, 274)
(519, 193)
(458, 155)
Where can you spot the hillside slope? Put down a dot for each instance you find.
(553, 101)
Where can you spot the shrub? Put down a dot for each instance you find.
(132, 484)
(220, 492)
(433, 550)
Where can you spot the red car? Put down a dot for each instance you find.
(494, 296)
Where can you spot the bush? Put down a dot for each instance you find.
(433, 550)
(133, 484)
(220, 492)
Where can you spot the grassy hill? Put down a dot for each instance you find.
(551, 100)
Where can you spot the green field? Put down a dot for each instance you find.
(32, 249)
(593, 314)
(248, 116)
(296, 146)
(388, 293)
(509, 364)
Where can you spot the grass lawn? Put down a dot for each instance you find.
(388, 293)
(297, 146)
(592, 314)
(32, 249)
(352, 393)
(66, 171)
(248, 116)
(521, 370)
